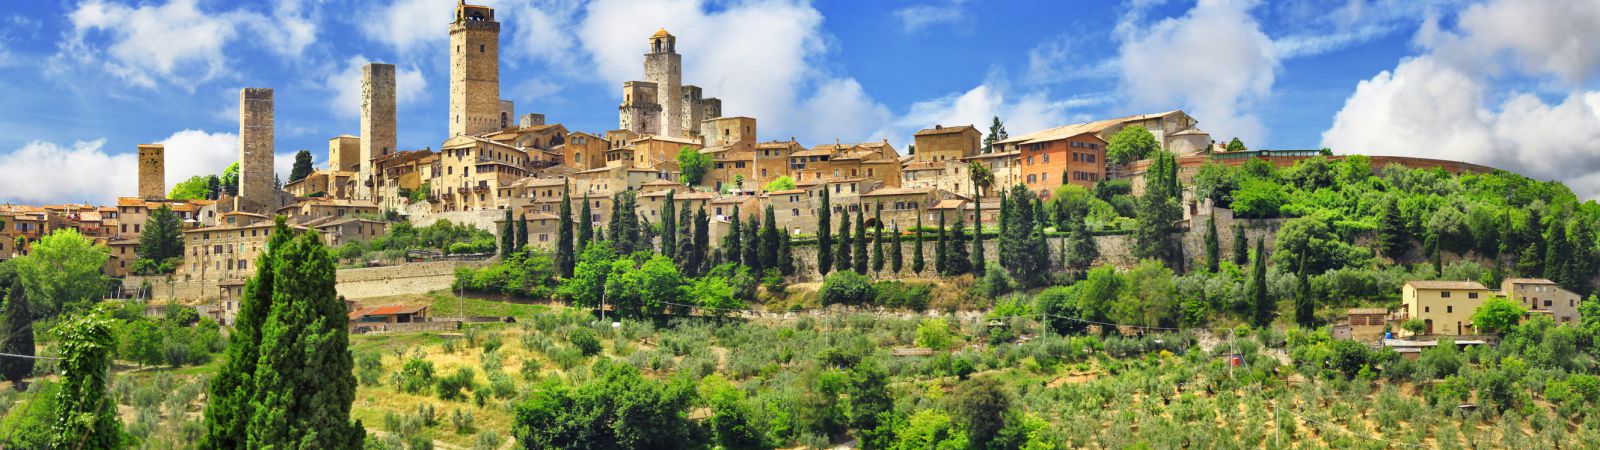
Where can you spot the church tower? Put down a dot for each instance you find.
(474, 70)
(664, 68)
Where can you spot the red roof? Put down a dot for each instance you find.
(389, 310)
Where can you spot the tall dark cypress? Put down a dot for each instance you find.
(16, 335)
(1262, 302)
(896, 257)
(685, 245)
(917, 260)
(841, 253)
(585, 226)
(860, 250)
(770, 240)
(702, 229)
(785, 255)
(1241, 247)
(1305, 306)
(978, 262)
(752, 244)
(565, 255)
(877, 240)
(508, 236)
(522, 232)
(669, 227)
(1213, 252)
(733, 242)
(958, 261)
(228, 409)
(824, 236)
(938, 249)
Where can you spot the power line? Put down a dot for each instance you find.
(52, 358)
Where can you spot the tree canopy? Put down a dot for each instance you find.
(692, 165)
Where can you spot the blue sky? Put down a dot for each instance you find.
(1500, 82)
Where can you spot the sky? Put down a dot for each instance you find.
(1513, 84)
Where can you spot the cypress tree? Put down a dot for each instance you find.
(1580, 260)
(1533, 239)
(1261, 299)
(508, 236)
(752, 244)
(522, 232)
(702, 241)
(16, 336)
(85, 417)
(1556, 252)
(917, 261)
(977, 266)
(938, 249)
(565, 256)
(1213, 252)
(228, 409)
(1392, 238)
(860, 251)
(1437, 255)
(841, 253)
(785, 255)
(685, 245)
(1081, 248)
(824, 236)
(1241, 247)
(304, 383)
(957, 262)
(770, 240)
(733, 242)
(896, 258)
(669, 227)
(585, 227)
(1305, 306)
(877, 240)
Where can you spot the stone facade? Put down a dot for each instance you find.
(663, 66)
(1543, 296)
(474, 71)
(662, 104)
(256, 147)
(378, 137)
(639, 113)
(942, 143)
(344, 153)
(152, 171)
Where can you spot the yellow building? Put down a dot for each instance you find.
(1445, 307)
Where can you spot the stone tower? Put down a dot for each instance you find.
(664, 67)
(377, 122)
(474, 70)
(693, 113)
(255, 150)
(639, 112)
(152, 171)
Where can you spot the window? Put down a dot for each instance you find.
(1449, 309)
(1427, 309)
(1472, 295)
(544, 237)
(1046, 158)
(481, 48)
(1548, 303)
(794, 212)
(1031, 178)
(1445, 294)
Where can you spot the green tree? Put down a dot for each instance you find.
(1130, 144)
(230, 179)
(624, 226)
(918, 262)
(302, 166)
(162, 239)
(1213, 250)
(195, 188)
(1236, 145)
(687, 255)
(733, 242)
(213, 187)
(618, 408)
(585, 226)
(303, 385)
(63, 270)
(824, 238)
(983, 405)
(732, 422)
(1217, 182)
(997, 133)
(1497, 315)
(646, 289)
(860, 242)
(846, 288)
(85, 416)
(981, 179)
(1159, 211)
(1393, 240)
(508, 236)
(939, 249)
(786, 255)
(669, 228)
(702, 241)
(782, 183)
(228, 410)
(871, 406)
(16, 336)
(956, 259)
(752, 243)
(1261, 300)
(692, 165)
(1081, 248)
(896, 257)
(565, 254)
(1257, 198)
(1305, 306)
(770, 240)
(586, 287)
(842, 261)
(1241, 247)
(521, 233)
(877, 240)
(141, 343)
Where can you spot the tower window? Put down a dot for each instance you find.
(480, 48)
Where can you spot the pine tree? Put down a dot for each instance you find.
(1241, 247)
(918, 261)
(1533, 239)
(1264, 307)
(896, 258)
(1580, 260)
(85, 416)
(733, 242)
(585, 227)
(669, 227)
(752, 244)
(304, 383)
(770, 240)
(938, 249)
(1393, 240)
(702, 241)
(1081, 248)
(565, 256)
(860, 251)
(785, 255)
(997, 133)
(16, 336)
(162, 237)
(877, 241)
(228, 409)
(841, 253)
(508, 239)
(522, 232)
(1305, 306)
(302, 166)
(824, 238)
(1213, 253)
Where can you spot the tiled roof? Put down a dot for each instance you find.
(947, 204)
(386, 311)
(945, 130)
(896, 191)
(1443, 284)
(1529, 281)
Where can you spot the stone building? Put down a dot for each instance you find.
(256, 146)
(1056, 156)
(661, 104)
(1445, 307)
(584, 151)
(474, 71)
(344, 153)
(378, 137)
(152, 171)
(1543, 296)
(942, 143)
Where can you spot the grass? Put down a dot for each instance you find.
(445, 304)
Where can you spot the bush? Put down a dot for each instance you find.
(461, 419)
(415, 376)
(586, 341)
(369, 368)
(900, 294)
(450, 386)
(847, 288)
(935, 334)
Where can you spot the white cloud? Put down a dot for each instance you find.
(175, 41)
(44, 172)
(840, 108)
(407, 25)
(409, 87)
(914, 18)
(1558, 37)
(194, 152)
(1214, 62)
(1054, 61)
(980, 105)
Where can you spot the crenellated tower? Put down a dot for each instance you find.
(474, 70)
(664, 68)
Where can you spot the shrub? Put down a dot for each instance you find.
(900, 294)
(415, 376)
(847, 288)
(585, 340)
(935, 334)
(487, 440)
(461, 419)
(369, 368)
(450, 386)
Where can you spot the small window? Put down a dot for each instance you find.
(1444, 294)
(481, 48)
(1449, 309)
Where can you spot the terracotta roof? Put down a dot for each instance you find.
(130, 201)
(386, 311)
(1010, 154)
(1529, 281)
(815, 152)
(1366, 311)
(945, 130)
(896, 191)
(660, 183)
(1055, 134)
(787, 192)
(732, 199)
(1189, 132)
(1443, 284)
(948, 204)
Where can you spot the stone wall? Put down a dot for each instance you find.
(483, 219)
(152, 171)
(255, 149)
(474, 77)
(409, 327)
(411, 278)
(377, 121)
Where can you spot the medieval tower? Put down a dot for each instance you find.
(378, 122)
(664, 68)
(256, 191)
(152, 171)
(474, 70)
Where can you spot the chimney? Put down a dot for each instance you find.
(938, 127)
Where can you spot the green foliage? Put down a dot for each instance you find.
(983, 406)
(1323, 249)
(228, 411)
(197, 187)
(782, 183)
(452, 385)
(302, 166)
(935, 334)
(585, 340)
(1130, 144)
(1497, 314)
(1257, 198)
(824, 237)
(566, 256)
(415, 376)
(846, 288)
(62, 271)
(528, 275)
(617, 409)
(997, 133)
(1159, 212)
(16, 334)
(692, 165)
(1236, 145)
(85, 417)
(714, 294)
(1263, 307)
(1217, 182)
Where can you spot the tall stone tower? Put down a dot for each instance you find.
(474, 70)
(639, 112)
(377, 122)
(664, 67)
(152, 171)
(255, 150)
